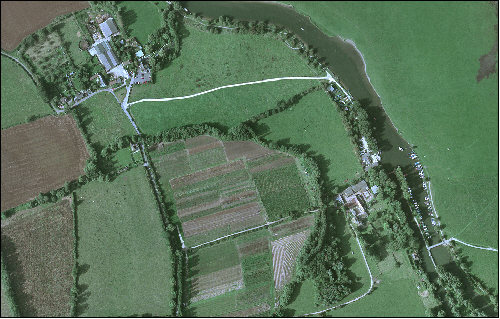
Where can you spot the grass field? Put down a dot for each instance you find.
(432, 106)
(123, 256)
(104, 119)
(314, 126)
(141, 18)
(37, 249)
(19, 98)
(206, 260)
(487, 269)
(227, 107)
(209, 60)
(281, 191)
(70, 30)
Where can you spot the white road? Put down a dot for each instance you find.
(328, 77)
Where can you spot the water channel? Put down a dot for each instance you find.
(343, 59)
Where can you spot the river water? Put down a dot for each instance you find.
(345, 61)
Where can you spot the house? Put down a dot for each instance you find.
(368, 157)
(355, 198)
(99, 79)
(108, 27)
(105, 54)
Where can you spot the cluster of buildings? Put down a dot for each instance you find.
(369, 158)
(356, 198)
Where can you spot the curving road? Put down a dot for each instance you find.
(328, 77)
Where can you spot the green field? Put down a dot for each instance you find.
(124, 260)
(434, 98)
(19, 97)
(142, 18)
(281, 191)
(104, 119)
(69, 30)
(314, 126)
(487, 269)
(211, 60)
(226, 107)
(206, 260)
(122, 158)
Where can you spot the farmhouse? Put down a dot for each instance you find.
(105, 54)
(99, 79)
(355, 198)
(108, 27)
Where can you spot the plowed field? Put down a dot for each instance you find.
(38, 157)
(20, 18)
(285, 252)
(206, 174)
(37, 247)
(248, 149)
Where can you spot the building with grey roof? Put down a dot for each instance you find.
(108, 27)
(105, 55)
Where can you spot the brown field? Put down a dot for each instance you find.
(248, 149)
(199, 141)
(206, 174)
(292, 227)
(272, 165)
(285, 252)
(254, 247)
(249, 312)
(238, 198)
(38, 157)
(205, 147)
(37, 246)
(20, 18)
(216, 283)
(227, 217)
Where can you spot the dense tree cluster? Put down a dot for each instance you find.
(321, 262)
(7, 289)
(164, 43)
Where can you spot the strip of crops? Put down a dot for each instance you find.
(164, 148)
(209, 158)
(268, 158)
(281, 191)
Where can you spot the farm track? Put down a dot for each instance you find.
(285, 251)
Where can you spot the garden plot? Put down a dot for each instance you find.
(172, 165)
(201, 140)
(247, 149)
(292, 227)
(37, 246)
(244, 216)
(216, 283)
(281, 191)
(159, 149)
(285, 252)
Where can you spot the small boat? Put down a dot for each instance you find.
(401, 149)
(302, 29)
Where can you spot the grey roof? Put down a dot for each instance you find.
(361, 186)
(106, 56)
(108, 27)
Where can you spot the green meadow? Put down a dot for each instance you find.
(141, 18)
(19, 98)
(314, 126)
(423, 59)
(211, 60)
(124, 260)
(104, 119)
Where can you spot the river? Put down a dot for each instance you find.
(347, 63)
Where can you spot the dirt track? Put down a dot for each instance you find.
(20, 18)
(38, 157)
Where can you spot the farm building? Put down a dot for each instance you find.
(108, 27)
(354, 198)
(105, 54)
(99, 79)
